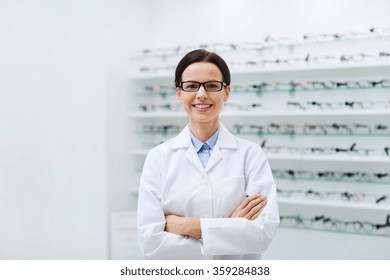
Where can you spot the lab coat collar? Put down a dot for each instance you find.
(225, 139)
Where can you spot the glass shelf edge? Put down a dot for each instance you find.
(334, 231)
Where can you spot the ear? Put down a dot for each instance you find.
(178, 94)
(227, 93)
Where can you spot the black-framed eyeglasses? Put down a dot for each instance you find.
(210, 86)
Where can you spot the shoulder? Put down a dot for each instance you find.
(182, 140)
(246, 145)
(251, 151)
(163, 147)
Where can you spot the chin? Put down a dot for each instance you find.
(204, 119)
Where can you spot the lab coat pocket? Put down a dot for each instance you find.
(228, 195)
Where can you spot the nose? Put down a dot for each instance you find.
(201, 94)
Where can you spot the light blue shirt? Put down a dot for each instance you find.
(205, 149)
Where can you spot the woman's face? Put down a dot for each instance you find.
(203, 106)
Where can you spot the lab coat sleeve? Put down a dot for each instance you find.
(238, 236)
(156, 243)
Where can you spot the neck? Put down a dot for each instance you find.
(203, 131)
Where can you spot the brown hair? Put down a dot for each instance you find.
(202, 55)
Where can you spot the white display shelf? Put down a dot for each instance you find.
(325, 67)
(334, 203)
(179, 51)
(305, 113)
(147, 115)
(250, 70)
(338, 181)
(328, 158)
(249, 114)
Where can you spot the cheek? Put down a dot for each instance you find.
(179, 98)
(220, 100)
(185, 101)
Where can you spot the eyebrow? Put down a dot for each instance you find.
(202, 82)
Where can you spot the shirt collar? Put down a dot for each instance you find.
(211, 141)
(225, 140)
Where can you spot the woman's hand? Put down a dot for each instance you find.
(186, 226)
(250, 208)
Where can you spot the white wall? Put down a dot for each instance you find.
(126, 30)
(52, 130)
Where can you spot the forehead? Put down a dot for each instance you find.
(202, 72)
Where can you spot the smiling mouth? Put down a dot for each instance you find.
(202, 106)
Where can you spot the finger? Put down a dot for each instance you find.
(251, 201)
(253, 213)
(256, 210)
(250, 207)
(255, 216)
(247, 200)
(254, 203)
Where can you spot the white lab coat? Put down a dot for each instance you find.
(173, 181)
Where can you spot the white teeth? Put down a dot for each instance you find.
(202, 106)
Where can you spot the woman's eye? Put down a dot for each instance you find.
(213, 86)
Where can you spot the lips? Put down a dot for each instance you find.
(202, 106)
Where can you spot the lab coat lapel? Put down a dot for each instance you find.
(192, 156)
(216, 156)
(226, 140)
(183, 141)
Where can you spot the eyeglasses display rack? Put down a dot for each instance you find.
(320, 108)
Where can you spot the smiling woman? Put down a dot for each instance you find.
(206, 194)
